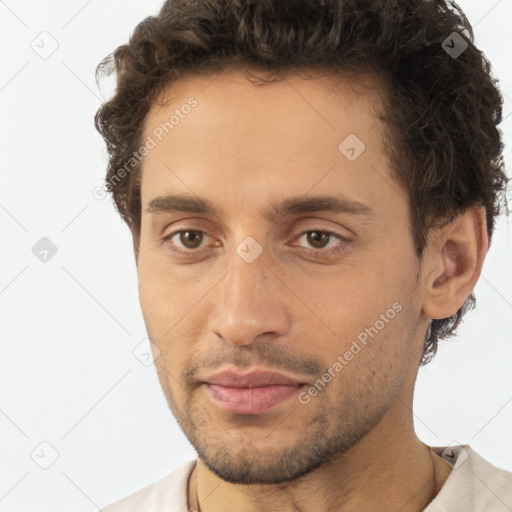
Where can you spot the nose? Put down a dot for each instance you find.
(251, 302)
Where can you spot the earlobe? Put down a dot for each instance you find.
(457, 252)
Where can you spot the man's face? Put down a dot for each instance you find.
(338, 314)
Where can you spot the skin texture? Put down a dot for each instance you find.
(353, 445)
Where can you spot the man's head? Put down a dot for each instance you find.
(328, 221)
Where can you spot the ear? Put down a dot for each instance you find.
(456, 253)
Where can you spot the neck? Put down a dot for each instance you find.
(389, 469)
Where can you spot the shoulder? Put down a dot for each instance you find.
(168, 493)
(492, 485)
(474, 484)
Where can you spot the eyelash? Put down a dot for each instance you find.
(190, 253)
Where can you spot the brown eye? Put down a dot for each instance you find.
(318, 239)
(319, 243)
(186, 242)
(190, 239)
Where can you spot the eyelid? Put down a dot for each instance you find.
(181, 230)
(343, 244)
(301, 233)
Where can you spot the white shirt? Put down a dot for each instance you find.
(474, 485)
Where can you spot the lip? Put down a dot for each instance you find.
(250, 393)
(253, 379)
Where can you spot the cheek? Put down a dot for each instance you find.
(353, 299)
(164, 292)
(362, 320)
(169, 300)
(159, 311)
(371, 371)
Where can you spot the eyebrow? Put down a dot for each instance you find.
(291, 205)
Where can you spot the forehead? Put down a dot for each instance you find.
(283, 136)
(234, 95)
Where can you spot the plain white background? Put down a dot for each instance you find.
(71, 328)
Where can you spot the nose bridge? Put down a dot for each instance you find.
(249, 302)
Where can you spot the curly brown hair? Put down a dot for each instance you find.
(441, 117)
